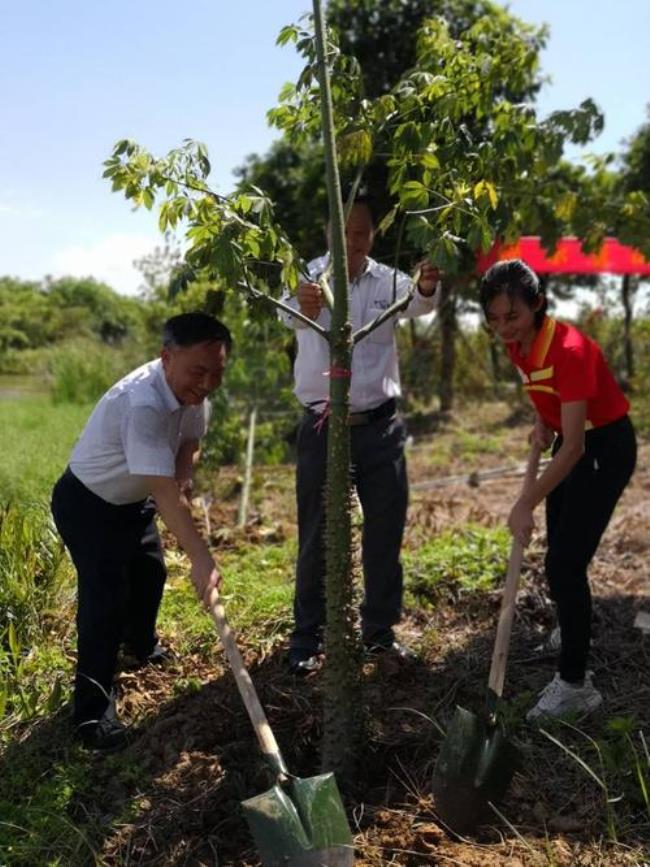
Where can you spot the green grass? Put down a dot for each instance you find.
(473, 559)
(257, 592)
(37, 438)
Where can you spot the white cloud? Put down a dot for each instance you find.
(109, 260)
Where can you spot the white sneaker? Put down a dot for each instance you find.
(559, 699)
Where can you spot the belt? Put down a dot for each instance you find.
(356, 419)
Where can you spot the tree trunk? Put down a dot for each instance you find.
(448, 328)
(627, 292)
(343, 709)
(248, 468)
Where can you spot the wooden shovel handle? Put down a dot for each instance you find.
(506, 615)
(265, 736)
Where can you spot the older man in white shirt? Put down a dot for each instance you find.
(377, 441)
(140, 442)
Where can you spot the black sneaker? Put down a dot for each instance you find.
(303, 662)
(394, 648)
(108, 735)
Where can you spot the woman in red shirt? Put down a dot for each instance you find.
(582, 413)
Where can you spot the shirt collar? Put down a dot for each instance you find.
(542, 342)
(372, 267)
(171, 401)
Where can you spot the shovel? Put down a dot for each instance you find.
(476, 760)
(298, 822)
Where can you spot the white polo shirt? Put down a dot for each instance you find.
(375, 371)
(135, 430)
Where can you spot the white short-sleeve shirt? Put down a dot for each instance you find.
(135, 430)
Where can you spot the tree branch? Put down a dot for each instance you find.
(256, 295)
(384, 315)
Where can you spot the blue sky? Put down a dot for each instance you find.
(76, 76)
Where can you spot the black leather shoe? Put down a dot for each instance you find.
(107, 735)
(160, 655)
(394, 648)
(303, 662)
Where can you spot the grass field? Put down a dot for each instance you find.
(37, 438)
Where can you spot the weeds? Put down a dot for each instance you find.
(471, 559)
(35, 590)
(621, 764)
(36, 597)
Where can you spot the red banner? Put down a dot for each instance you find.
(568, 258)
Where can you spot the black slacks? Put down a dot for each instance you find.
(577, 513)
(121, 573)
(379, 475)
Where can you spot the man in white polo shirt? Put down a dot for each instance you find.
(139, 443)
(377, 436)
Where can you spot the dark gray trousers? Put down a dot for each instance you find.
(379, 475)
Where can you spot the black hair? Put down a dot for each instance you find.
(364, 198)
(188, 329)
(513, 278)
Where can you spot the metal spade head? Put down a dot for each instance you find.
(475, 766)
(301, 824)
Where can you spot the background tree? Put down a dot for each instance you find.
(635, 177)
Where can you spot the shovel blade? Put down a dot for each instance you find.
(301, 824)
(475, 766)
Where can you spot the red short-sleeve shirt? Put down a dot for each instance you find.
(565, 365)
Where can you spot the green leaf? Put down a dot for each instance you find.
(485, 188)
(289, 33)
(429, 160)
(14, 644)
(54, 698)
(414, 196)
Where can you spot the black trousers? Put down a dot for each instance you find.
(379, 475)
(577, 513)
(121, 574)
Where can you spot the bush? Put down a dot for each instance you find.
(82, 370)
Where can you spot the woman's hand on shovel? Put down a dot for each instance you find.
(521, 521)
